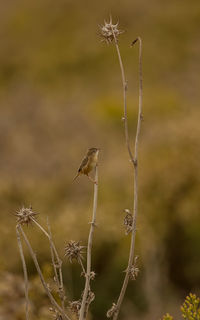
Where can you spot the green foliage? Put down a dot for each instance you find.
(167, 316)
(191, 308)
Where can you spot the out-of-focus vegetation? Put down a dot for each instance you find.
(190, 309)
(60, 92)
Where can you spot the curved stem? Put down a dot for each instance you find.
(124, 84)
(134, 160)
(89, 249)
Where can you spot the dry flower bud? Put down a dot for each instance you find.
(109, 31)
(73, 250)
(134, 270)
(75, 307)
(92, 275)
(25, 215)
(110, 313)
(90, 297)
(128, 221)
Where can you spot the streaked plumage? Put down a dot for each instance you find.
(88, 163)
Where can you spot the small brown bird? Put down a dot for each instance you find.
(89, 162)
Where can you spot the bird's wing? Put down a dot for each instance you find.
(83, 164)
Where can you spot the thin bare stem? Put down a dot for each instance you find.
(41, 228)
(82, 266)
(59, 261)
(125, 87)
(53, 259)
(33, 255)
(134, 160)
(24, 270)
(57, 265)
(89, 249)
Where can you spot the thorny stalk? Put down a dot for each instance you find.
(46, 288)
(134, 160)
(89, 249)
(58, 263)
(24, 270)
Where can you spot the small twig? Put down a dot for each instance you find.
(134, 160)
(59, 280)
(82, 266)
(89, 249)
(33, 255)
(24, 270)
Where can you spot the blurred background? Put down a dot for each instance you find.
(60, 93)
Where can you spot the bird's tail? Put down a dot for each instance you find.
(78, 174)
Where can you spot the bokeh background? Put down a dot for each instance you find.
(60, 92)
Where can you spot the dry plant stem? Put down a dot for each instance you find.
(59, 262)
(83, 314)
(82, 266)
(53, 258)
(135, 165)
(33, 255)
(59, 280)
(124, 83)
(24, 270)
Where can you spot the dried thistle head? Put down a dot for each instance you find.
(110, 313)
(128, 221)
(109, 31)
(75, 307)
(25, 215)
(134, 270)
(74, 250)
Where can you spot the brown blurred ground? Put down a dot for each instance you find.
(60, 92)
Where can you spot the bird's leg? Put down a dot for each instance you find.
(91, 179)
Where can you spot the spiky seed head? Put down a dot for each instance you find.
(109, 31)
(25, 215)
(74, 250)
(134, 270)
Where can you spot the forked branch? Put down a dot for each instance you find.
(134, 160)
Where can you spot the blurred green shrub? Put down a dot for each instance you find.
(190, 309)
